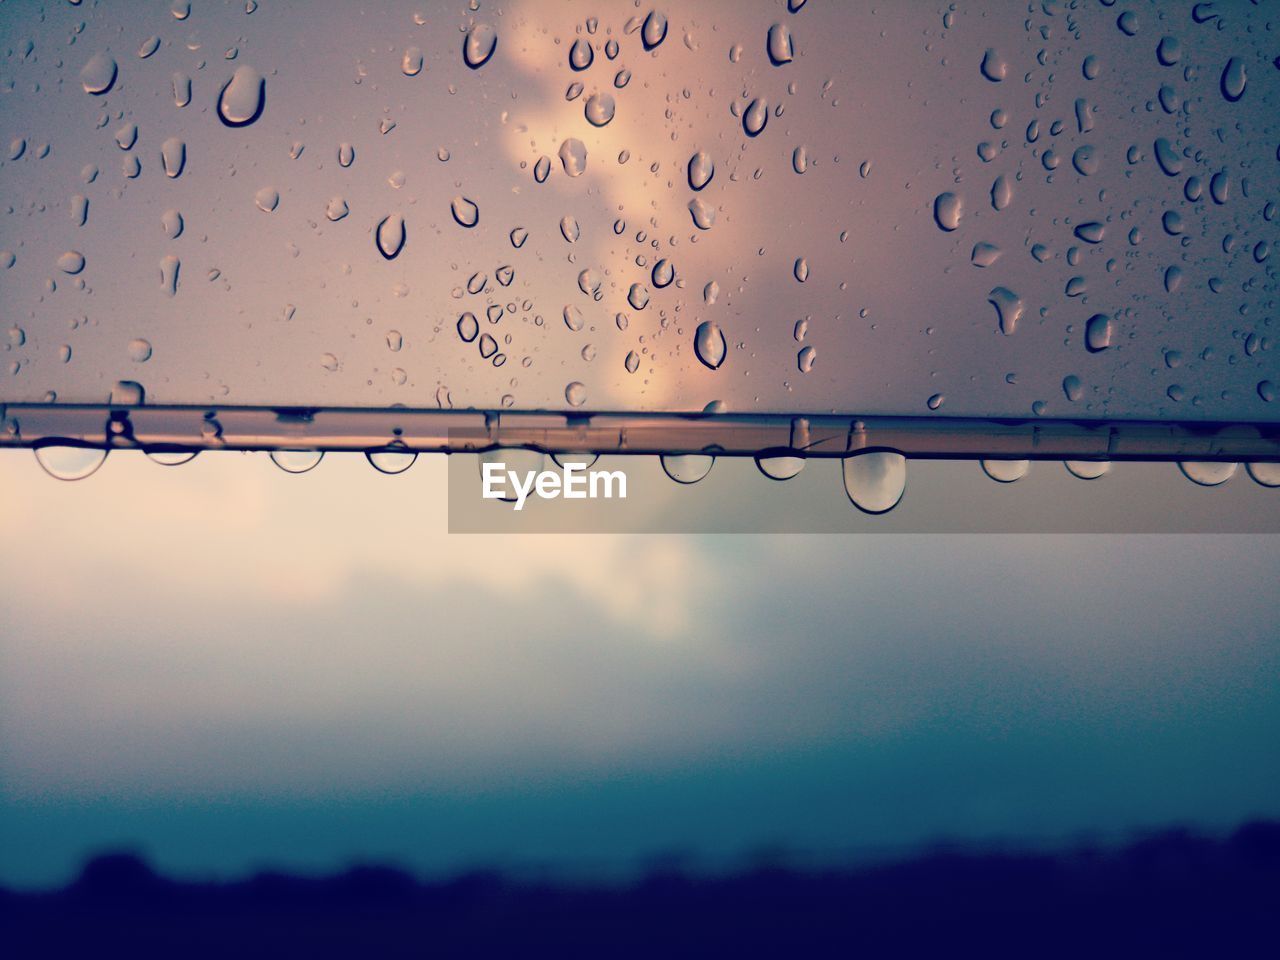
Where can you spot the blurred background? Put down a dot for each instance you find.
(225, 668)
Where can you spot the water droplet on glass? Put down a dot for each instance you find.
(569, 229)
(518, 236)
(806, 358)
(576, 394)
(71, 262)
(1073, 388)
(170, 267)
(984, 254)
(654, 30)
(1091, 232)
(1098, 333)
(242, 98)
(800, 269)
(1009, 308)
(1006, 471)
(687, 467)
(346, 154)
(336, 209)
(173, 156)
(947, 210)
(465, 212)
(703, 213)
(392, 459)
(755, 117)
(1001, 192)
(478, 45)
(267, 199)
(411, 63)
(1208, 473)
(709, 344)
(638, 296)
(65, 462)
(993, 66)
(701, 170)
(573, 157)
(296, 461)
(632, 361)
(1233, 80)
(1088, 469)
(139, 350)
(599, 109)
(99, 75)
(779, 45)
(390, 236)
(663, 273)
(581, 54)
(875, 481)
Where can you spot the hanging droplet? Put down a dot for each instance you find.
(1208, 473)
(875, 481)
(392, 459)
(171, 456)
(1266, 474)
(780, 467)
(296, 461)
(68, 462)
(1088, 469)
(687, 467)
(1006, 471)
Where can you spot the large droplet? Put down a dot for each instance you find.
(71, 262)
(779, 45)
(993, 66)
(573, 157)
(1266, 474)
(1098, 333)
(569, 229)
(701, 170)
(65, 462)
(779, 467)
(599, 109)
(1233, 80)
(411, 62)
(1001, 192)
(1088, 469)
(687, 467)
(575, 394)
(336, 209)
(296, 461)
(805, 358)
(703, 213)
(581, 54)
(637, 296)
(875, 481)
(465, 212)
(478, 45)
(755, 117)
(171, 456)
(267, 199)
(663, 273)
(1167, 157)
(947, 210)
(392, 459)
(346, 155)
(654, 30)
(390, 236)
(242, 98)
(98, 76)
(1006, 471)
(709, 345)
(170, 267)
(1208, 473)
(1009, 308)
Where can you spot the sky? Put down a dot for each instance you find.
(226, 667)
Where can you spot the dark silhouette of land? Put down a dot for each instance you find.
(1172, 894)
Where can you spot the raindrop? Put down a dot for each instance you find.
(599, 109)
(173, 156)
(632, 361)
(296, 461)
(346, 155)
(71, 262)
(805, 358)
(1073, 388)
(170, 267)
(1266, 474)
(148, 47)
(779, 45)
(1085, 160)
(488, 346)
(171, 457)
(993, 66)
(703, 213)
(654, 30)
(709, 344)
(267, 199)
(800, 269)
(468, 327)
(664, 272)
(478, 45)
(780, 467)
(1208, 473)
(242, 98)
(687, 467)
(875, 481)
(573, 317)
(336, 209)
(411, 63)
(1088, 469)
(181, 89)
(573, 157)
(947, 210)
(638, 296)
(65, 462)
(755, 117)
(392, 459)
(579, 458)
(99, 75)
(984, 254)
(701, 170)
(1091, 232)
(1167, 157)
(139, 350)
(1001, 192)
(569, 229)
(1006, 471)
(1009, 308)
(542, 169)
(1098, 333)
(1233, 80)
(800, 159)
(465, 212)
(518, 236)
(576, 394)
(390, 236)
